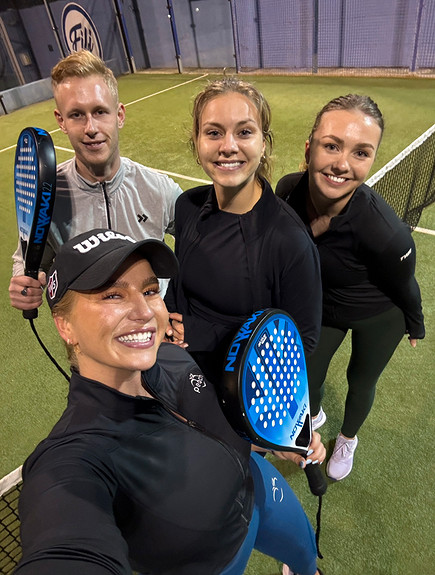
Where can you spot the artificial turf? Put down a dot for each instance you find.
(378, 521)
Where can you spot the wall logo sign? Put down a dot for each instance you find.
(79, 32)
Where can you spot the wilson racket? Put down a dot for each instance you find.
(35, 186)
(265, 392)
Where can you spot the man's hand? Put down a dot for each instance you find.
(25, 293)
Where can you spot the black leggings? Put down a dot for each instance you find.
(373, 343)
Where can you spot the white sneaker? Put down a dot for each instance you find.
(341, 461)
(318, 420)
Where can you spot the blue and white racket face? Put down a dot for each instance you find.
(275, 387)
(26, 182)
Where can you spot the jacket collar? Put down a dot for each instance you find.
(92, 395)
(256, 219)
(111, 185)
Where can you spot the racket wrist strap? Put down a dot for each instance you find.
(318, 522)
(48, 354)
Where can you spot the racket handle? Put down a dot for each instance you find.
(316, 479)
(30, 313)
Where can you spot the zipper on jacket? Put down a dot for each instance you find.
(107, 204)
(194, 425)
(232, 452)
(227, 447)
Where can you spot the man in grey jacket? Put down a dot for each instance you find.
(98, 187)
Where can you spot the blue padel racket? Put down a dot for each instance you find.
(265, 392)
(35, 186)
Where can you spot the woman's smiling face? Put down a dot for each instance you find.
(341, 153)
(230, 141)
(118, 329)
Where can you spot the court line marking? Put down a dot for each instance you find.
(200, 181)
(128, 104)
(174, 174)
(424, 231)
(166, 90)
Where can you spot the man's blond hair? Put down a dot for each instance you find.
(82, 65)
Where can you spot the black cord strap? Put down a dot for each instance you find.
(50, 357)
(318, 517)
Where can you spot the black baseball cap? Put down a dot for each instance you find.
(90, 259)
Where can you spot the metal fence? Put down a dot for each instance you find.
(285, 36)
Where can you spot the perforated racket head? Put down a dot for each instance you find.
(265, 389)
(35, 182)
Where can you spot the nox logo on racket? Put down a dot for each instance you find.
(243, 334)
(40, 131)
(300, 422)
(44, 215)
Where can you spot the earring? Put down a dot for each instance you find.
(68, 341)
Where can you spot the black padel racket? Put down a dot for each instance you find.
(35, 186)
(265, 388)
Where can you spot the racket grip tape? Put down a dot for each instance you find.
(31, 313)
(316, 479)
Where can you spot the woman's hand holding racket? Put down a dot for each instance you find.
(316, 453)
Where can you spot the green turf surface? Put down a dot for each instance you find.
(378, 521)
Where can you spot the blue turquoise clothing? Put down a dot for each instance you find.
(279, 526)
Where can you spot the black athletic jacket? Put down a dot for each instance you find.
(282, 271)
(121, 483)
(367, 257)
